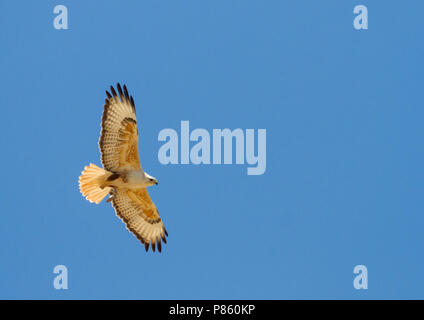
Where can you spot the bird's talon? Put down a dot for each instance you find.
(112, 194)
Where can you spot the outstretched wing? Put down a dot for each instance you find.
(140, 215)
(119, 135)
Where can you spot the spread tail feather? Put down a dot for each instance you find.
(90, 182)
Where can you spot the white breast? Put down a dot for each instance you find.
(137, 179)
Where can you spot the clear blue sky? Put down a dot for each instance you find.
(343, 110)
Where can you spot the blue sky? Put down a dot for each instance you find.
(343, 112)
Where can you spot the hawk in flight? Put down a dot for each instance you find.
(122, 176)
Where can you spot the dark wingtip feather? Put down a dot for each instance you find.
(163, 238)
(132, 102)
(153, 246)
(113, 91)
(166, 232)
(121, 94)
(126, 92)
(108, 94)
(146, 246)
(159, 245)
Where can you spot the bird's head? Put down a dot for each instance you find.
(151, 180)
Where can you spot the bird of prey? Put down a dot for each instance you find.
(122, 176)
